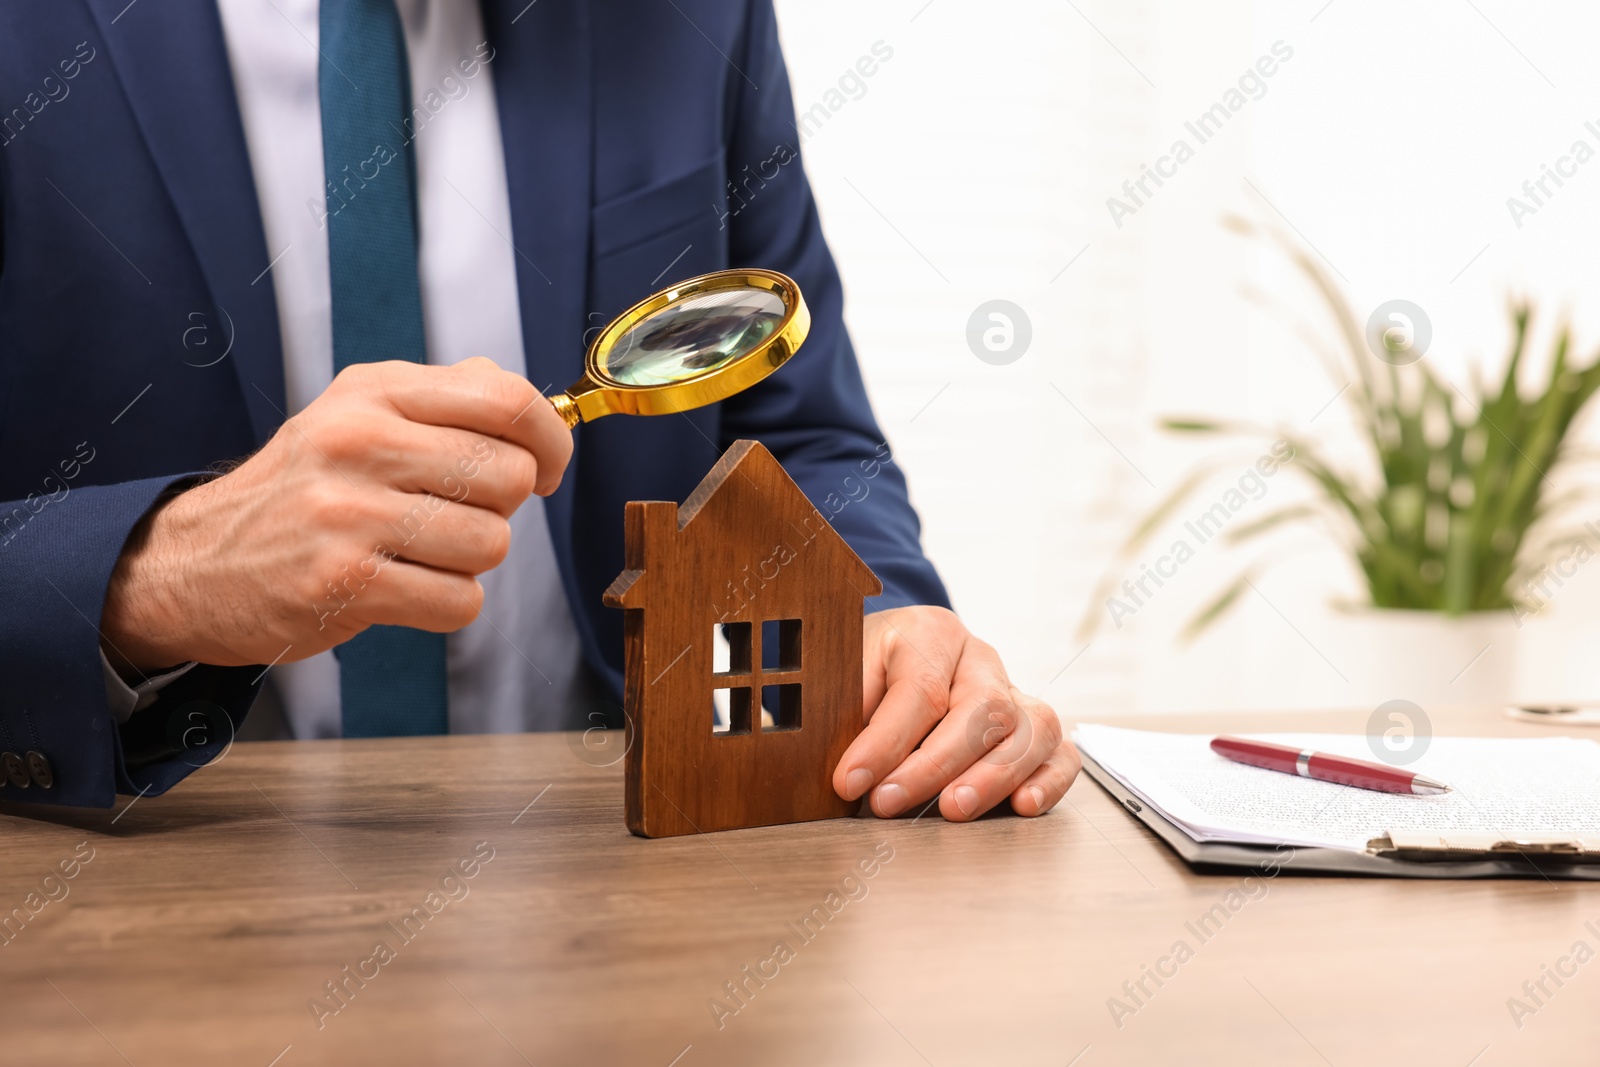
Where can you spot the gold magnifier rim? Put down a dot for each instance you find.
(599, 394)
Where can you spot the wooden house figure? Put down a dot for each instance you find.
(746, 549)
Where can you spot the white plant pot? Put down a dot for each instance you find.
(1428, 658)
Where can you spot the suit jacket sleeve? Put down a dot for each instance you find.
(813, 414)
(56, 557)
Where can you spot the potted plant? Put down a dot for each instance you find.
(1451, 522)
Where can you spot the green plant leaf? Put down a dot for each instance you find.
(1271, 521)
(1461, 509)
(1218, 605)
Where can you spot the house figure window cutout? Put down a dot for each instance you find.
(748, 554)
(779, 708)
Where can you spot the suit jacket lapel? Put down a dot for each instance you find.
(172, 61)
(542, 69)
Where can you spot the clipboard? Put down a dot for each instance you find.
(1390, 855)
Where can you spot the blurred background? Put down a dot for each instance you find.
(975, 163)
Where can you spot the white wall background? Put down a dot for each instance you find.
(976, 163)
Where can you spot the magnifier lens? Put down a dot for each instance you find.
(697, 343)
(692, 337)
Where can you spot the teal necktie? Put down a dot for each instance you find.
(392, 678)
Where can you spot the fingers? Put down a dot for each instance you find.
(998, 750)
(457, 465)
(921, 652)
(393, 592)
(1002, 769)
(549, 438)
(446, 535)
(474, 395)
(1044, 788)
(979, 721)
(945, 722)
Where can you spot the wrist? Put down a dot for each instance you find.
(140, 629)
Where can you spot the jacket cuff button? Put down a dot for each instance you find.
(16, 772)
(39, 768)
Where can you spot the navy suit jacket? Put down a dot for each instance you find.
(139, 339)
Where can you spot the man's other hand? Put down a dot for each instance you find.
(943, 720)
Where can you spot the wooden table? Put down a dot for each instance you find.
(208, 921)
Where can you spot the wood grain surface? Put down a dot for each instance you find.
(207, 923)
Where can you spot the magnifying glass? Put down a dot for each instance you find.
(701, 341)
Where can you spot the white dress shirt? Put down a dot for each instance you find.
(519, 665)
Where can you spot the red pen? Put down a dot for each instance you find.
(1326, 768)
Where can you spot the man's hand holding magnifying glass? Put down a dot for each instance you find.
(379, 503)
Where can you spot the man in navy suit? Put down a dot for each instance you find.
(281, 284)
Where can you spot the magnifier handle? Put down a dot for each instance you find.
(567, 408)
